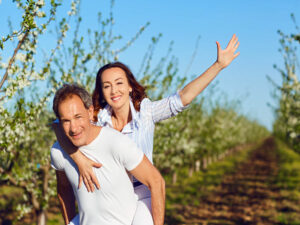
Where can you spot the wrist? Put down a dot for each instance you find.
(75, 155)
(218, 65)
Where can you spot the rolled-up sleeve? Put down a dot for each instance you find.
(167, 107)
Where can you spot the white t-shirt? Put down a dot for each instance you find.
(114, 203)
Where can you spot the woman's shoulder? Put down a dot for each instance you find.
(145, 107)
(145, 103)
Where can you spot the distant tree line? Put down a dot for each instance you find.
(31, 75)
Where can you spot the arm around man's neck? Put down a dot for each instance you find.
(84, 164)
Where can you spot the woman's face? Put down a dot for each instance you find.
(115, 88)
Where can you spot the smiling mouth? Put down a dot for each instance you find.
(76, 136)
(115, 98)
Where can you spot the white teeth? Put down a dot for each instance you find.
(116, 98)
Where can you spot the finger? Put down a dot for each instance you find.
(80, 182)
(91, 185)
(232, 41)
(235, 42)
(236, 46)
(95, 181)
(236, 55)
(86, 183)
(218, 46)
(97, 165)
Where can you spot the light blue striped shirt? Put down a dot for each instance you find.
(141, 128)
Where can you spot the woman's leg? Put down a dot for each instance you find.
(143, 215)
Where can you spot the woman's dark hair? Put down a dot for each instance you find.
(138, 91)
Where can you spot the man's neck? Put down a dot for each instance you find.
(94, 132)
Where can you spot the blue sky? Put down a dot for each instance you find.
(255, 23)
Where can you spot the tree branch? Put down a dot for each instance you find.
(23, 185)
(13, 58)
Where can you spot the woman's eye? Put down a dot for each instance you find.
(106, 87)
(119, 83)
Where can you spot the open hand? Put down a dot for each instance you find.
(86, 173)
(226, 56)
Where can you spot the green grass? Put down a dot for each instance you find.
(55, 219)
(289, 168)
(9, 197)
(189, 190)
(288, 182)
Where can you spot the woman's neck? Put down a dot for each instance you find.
(120, 118)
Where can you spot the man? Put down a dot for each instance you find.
(114, 202)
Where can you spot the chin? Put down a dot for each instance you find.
(78, 143)
(118, 105)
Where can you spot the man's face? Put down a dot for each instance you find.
(75, 120)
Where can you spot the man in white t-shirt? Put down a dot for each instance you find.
(114, 203)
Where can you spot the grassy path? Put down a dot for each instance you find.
(259, 186)
(253, 194)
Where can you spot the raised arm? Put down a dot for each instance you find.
(84, 164)
(146, 173)
(66, 196)
(225, 57)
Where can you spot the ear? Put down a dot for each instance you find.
(91, 112)
(130, 89)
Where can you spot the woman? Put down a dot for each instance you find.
(120, 102)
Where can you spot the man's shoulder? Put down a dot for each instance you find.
(108, 138)
(56, 145)
(58, 156)
(115, 139)
(110, 132)
(57, 148)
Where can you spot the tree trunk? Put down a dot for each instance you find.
(191, 171)
(42, 213)
(204, 163)
(197, 165)
(209, 161)
(174, 178)
(41, 217)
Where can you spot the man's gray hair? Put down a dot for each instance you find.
(67, 91)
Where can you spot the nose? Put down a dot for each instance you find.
(73, 127)
(114, 89)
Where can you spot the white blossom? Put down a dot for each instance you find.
(20, 37)
(40, 3)
(41, 14)
(21, 57)
(3, 65)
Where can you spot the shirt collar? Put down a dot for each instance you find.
(104, 116)
(134, 114)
